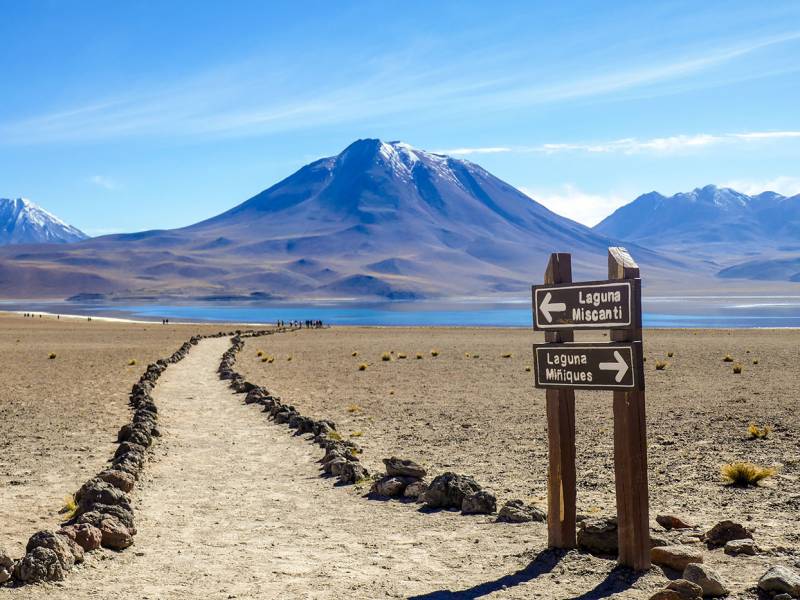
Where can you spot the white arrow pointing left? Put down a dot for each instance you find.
(547, 307)
(621, 367)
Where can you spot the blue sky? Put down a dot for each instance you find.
(139, 115)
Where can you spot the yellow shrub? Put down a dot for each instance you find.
(756, 432)
(745, 474)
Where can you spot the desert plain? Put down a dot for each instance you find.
(232, 506)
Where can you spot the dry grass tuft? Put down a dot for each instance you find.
(353, 408)
(434, 353)
(506, 355)
(745, 474)
(661, 365)
(52, 355)
(755, 361)
(70, 507)
(727, 358)
(755, 432)
(356, 434)
(260, 353)
(362, 367)
(476, 356)
(402, 355)
(419, 356)
(335, 436)
(527, 369)
(670, 354)
(355, 353)
(737, 369)
(132, 362)
(386, 357)
(289, 358)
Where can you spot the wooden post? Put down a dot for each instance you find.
(630, 443)
(561, 490)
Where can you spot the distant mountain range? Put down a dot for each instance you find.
(749, 237)
(23, 222)
(384, 220)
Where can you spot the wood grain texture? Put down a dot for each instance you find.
(630, 445)
(561, 486)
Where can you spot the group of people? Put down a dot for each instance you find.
(308, 324)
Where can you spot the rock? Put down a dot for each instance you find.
(334, 466)
(85, 535)
(389, 487)
(708, 580)
(725, 531)
(352, 472)
(516, 511)
(483, 502)
(675, 557)
(399, 467)
(666, 595)
(782, 597)
(780, 580)
(599, 535)
(6, 566)
(115, 535)
(77, 551)
(449, 490)
(737, 547)
(103, 511)
(119, 479)
(686, 589)
(57, 543)
(126, 447)
(40, 564)
(657, 540)
(415, 489)
(96, 491)
(672, 522)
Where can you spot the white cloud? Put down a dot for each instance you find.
(783, 184)
(104, 182)
(570, 201)
(663, 145)
(256, 99)
(468, 151)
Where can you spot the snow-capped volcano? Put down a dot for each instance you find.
(23, 222)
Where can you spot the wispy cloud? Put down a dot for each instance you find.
(252, 99)
(783, 184)
(669, 144)
(579, 205)
(103, 181)
(468, 151)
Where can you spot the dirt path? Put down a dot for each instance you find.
(232, 506)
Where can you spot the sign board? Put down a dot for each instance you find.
(587, 305)
(609, 366)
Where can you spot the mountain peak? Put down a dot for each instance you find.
(24, 222)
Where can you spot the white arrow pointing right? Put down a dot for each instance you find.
(547, 307)
(621, 367)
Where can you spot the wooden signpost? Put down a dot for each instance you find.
(561, 366)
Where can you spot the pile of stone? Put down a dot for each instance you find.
(341, 459)
(403, 479)
(103, 516)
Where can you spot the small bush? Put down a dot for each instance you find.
(434, 353)
(661, 365)
(52, 355)
(467, 355)
(758, 433)
(745, 474)
(353, 408)
(386, 356)
(727, 358)
(355, 353)
(527, 369)
(271, 359)
(260, 353)
(755, 361)
(419, 356)
(289, 358)
(335, 435)
(670, 354)
(70, 506)
(362, 367)
(737, 369)
(132, 362)
(265, 359)
(402, 355)
(506, 355)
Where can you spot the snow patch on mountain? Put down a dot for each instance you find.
(23, 222)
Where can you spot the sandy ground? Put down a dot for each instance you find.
(59, 417)
(231, 505)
